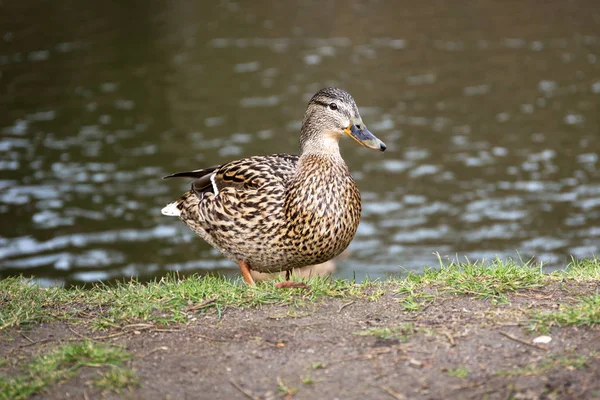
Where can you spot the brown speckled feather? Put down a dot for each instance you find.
(259, 213)
(279, 212)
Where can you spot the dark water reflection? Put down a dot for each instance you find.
(489, 110)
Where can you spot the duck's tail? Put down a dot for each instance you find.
(172, 209)
(186, 207)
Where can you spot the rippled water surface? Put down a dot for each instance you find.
(490, 111)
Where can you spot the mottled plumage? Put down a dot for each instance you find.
(279, 212)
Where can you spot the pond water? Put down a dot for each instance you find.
(490, 111)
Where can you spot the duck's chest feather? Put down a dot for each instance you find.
(322, 207)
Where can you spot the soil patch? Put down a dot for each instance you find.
(456, 347)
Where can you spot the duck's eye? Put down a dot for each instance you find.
(333, 106)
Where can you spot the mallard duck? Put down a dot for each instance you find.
(279, 212)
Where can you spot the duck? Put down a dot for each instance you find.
(279, 212)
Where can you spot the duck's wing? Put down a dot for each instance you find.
(252, 173)
(247, 173)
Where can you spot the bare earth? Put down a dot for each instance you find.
(330, 350)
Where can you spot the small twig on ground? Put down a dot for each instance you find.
(141, 327)
(163, 348)
(79, 334)
(426, 306)
(536, 296)
(469, 386)
(245, 392)
(138, 326)
(508, 324)
(28, 338)
(200, 305)
(450, 338)
(393, 393)
(210, 339)
(516, 339)
(113, 335)
(38, 342)
(345, 305)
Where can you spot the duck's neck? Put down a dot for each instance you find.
(321, 159)
(324, 145)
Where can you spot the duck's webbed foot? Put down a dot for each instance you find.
(289, 284)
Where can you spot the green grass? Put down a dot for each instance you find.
(162, 302)
(285, 390)
(553, 362)
(65, 362)
(22, 302)
(585, 312)
(318, 365)
(401, 333)
(582, 270)
(117, 379)
(490, 280)
(458, 372)
(166, 301)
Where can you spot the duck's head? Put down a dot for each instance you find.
(332, 113)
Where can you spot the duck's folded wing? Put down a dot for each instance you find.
(247, 173)
(255, 172)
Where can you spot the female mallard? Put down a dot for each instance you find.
(280, 212)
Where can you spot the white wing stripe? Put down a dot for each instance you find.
(212, 179)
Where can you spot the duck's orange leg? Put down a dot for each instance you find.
(245, 269)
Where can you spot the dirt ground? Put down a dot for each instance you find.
(455, 348)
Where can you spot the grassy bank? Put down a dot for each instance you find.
(171, 299)
(92, 319)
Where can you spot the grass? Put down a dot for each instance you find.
(553, 362)
(64, 362)
(490, 280)
(117, 379)
(401, 333)
(581, 270)
(285, 390)
(318, 365)
(458, 372)
(162, 302)
(175, 300)
(22, 302)
(585, 312)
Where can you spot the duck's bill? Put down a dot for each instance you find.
(363, 136)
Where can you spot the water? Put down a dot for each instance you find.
(490, 113)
